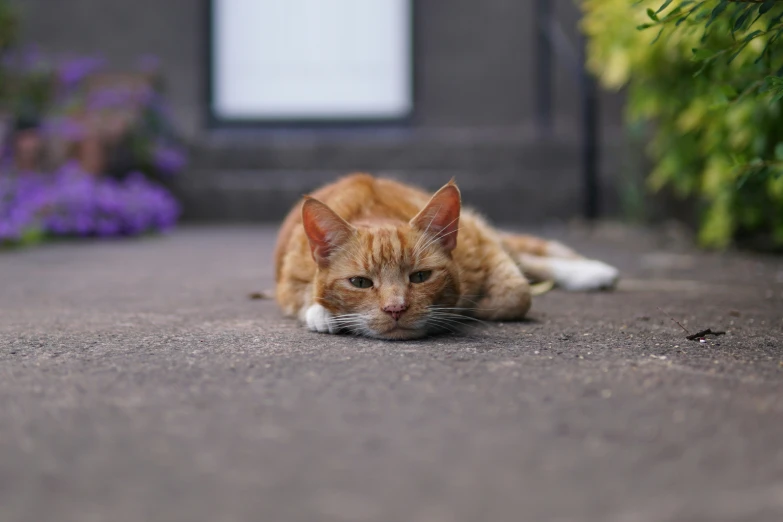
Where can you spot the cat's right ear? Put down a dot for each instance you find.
(326, 231)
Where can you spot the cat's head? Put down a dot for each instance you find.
(390, 281)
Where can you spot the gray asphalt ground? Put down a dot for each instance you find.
(138, 382)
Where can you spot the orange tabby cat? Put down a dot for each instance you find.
(379, 258)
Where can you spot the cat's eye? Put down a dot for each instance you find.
(421, 276)
(361, 282)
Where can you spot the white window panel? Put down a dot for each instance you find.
(311, 59)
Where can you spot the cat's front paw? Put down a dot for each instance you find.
(319, 319)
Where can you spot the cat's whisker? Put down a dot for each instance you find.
(457, 318)
(349, 320)
(443, 328)
(355, 328)
(464, 324)
(468, 309)
(456, 308)
(461, 319)
(445, 320)
(439, 325)
(348, 316)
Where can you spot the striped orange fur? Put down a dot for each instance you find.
(380, 258)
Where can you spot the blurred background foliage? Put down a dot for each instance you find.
(7, 34)
(84, 150)
(706, 77)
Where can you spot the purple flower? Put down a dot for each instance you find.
(73, 202)
(169, 160)
(31, 58)
(23, 199)
(111, 98)
(68, 129)
(144, 96)
(23, 61)
(86, 205)
(73, 71)
(69, 201)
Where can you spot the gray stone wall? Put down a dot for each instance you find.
(474, 60)
(122, 30)
(474, 77)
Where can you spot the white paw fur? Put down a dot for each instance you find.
(580, 275)
(319, 319)
(559, 250)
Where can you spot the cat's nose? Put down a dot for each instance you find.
(395, 311)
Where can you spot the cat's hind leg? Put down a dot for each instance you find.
(543, 260)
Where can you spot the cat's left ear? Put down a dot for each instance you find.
(440, 217)
(326, 231)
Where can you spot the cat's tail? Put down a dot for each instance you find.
(542, 260)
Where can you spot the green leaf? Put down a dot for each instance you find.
(717, 11)
(751, 36)
(31, 236)
(658, 36)
(741, 20)
(664, 6)
(652, 15)
(766, 6)
(736, 53)
(727, 90)
(775, 21)
(779, 151)
(674, 13)
(703, 54)
(683, 18)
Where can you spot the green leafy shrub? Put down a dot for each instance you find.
(707, 74)
(7, 24)
(7, 34)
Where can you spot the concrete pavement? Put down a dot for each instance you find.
(139, 383)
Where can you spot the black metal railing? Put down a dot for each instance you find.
(551, 43)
